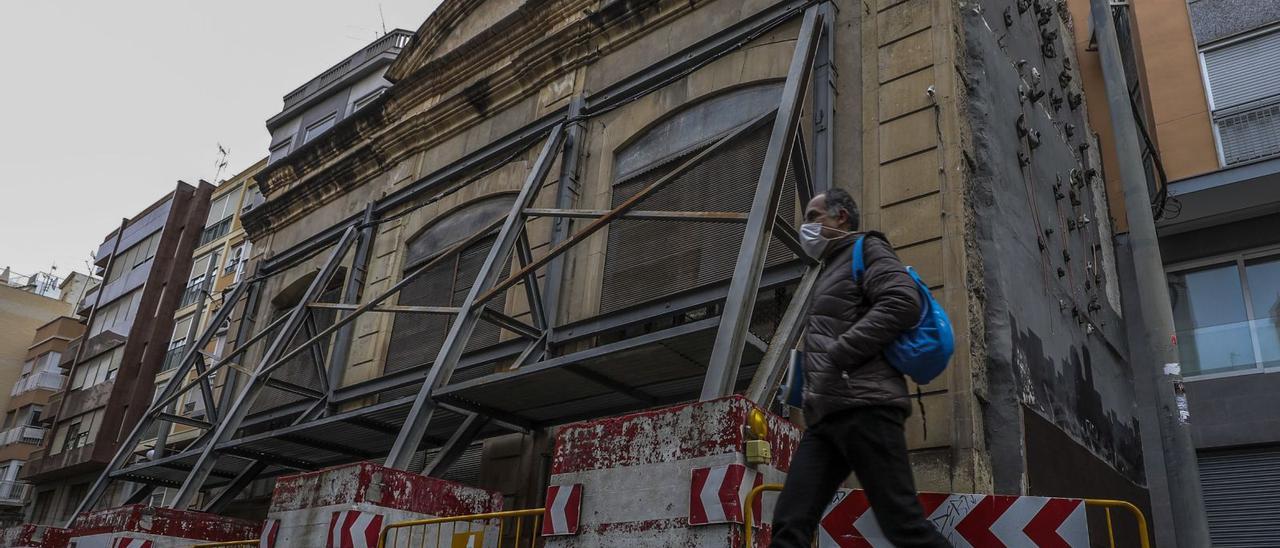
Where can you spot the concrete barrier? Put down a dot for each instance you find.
(674, 476)
(33, 536)
(349, 505)
(145, 526)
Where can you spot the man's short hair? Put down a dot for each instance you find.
(839, 199)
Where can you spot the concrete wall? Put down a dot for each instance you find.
(1054, 340)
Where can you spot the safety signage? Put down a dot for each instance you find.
(716, 494)
(968, 521)
(270, 530)
(564, 505)
(354, 529)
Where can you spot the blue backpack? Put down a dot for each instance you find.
(923, 351)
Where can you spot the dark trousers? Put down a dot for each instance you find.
(871, 443)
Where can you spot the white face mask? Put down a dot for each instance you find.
(812, 240)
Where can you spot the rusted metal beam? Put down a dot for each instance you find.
(698, 216)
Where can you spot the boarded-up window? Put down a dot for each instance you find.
(417, 338)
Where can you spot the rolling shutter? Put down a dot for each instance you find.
(1242, 497)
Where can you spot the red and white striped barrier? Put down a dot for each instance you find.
(968, 521)
(563, 510)
(717, 493)
(354, 529)
(270, 530)
(131, 543)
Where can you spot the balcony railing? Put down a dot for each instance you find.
(390, 42)
(192, 293)
(215, 231)
(172, 357)
(31, 435)
(1250, 131)
(14, 492)
(43, 380)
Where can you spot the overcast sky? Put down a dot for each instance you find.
(108, 104)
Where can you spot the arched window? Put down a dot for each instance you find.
(648, 259)
(417, 338)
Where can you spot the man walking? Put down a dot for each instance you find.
(855, 402)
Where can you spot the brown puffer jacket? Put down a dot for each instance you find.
(850, 324)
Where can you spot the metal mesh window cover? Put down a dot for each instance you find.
(301, 369)
(647, 259)
(1250, 134)
(1242, 497)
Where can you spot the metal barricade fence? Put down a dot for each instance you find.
(510, 529)
(1106, 504)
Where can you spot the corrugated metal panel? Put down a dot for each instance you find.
(1245, 71)
(1242, 497)
(648, 260)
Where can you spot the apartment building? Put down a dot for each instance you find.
(23, 431)
(111, 369)
(28, 371)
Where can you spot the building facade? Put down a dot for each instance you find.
(1205, 78)
(23, 431)
(28, 370)
(110, 369)
(524, 189)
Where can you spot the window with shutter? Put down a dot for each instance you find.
(417, 338)
(647, 259)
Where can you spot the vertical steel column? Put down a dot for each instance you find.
(566, 192)
(773, 366)
(824, 105)
(170, 388)
(242, 335)
(231, 420)
(740, 302)
(415, 426)
(351, 295)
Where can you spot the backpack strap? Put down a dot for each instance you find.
(859, 268)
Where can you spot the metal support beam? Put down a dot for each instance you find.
(179, 419)
(460, 331)
(317, 355)
(458, 442)
(621, 388)
(696, 216)
(824, 109)
(510, 324)
(566, 190)
(625, 206)
(791, 239)
(532, 293)
(249, 395)
(805, 188)
(169, 393)
(405, 309)
(354, 286)
(726, 354)
(773, 366)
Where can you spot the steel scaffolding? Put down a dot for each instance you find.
(324, 426)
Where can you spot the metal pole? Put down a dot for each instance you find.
(1185, 498)
(726, 355)
(824, 109)
(566, 189)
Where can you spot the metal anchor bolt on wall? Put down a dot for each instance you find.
(1062, 273)
(1066, 256)
(1084, 146)
(1021, 125)
(1023, 6)
(1074, 99)
(1064, 78)
(1055, 100)
(1033, 139)
(1023, 159)
(1077, 180)
(1070, 129)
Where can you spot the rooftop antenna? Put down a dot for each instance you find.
(383, 18)
(221, 162)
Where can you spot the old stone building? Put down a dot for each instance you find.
(524, 190)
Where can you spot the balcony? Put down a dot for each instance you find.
(392, 42)
(14, 493)
(1249, 132)
(215, 231)
(192, 293)
(44, 380)
(31, 435)
(172, 357)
